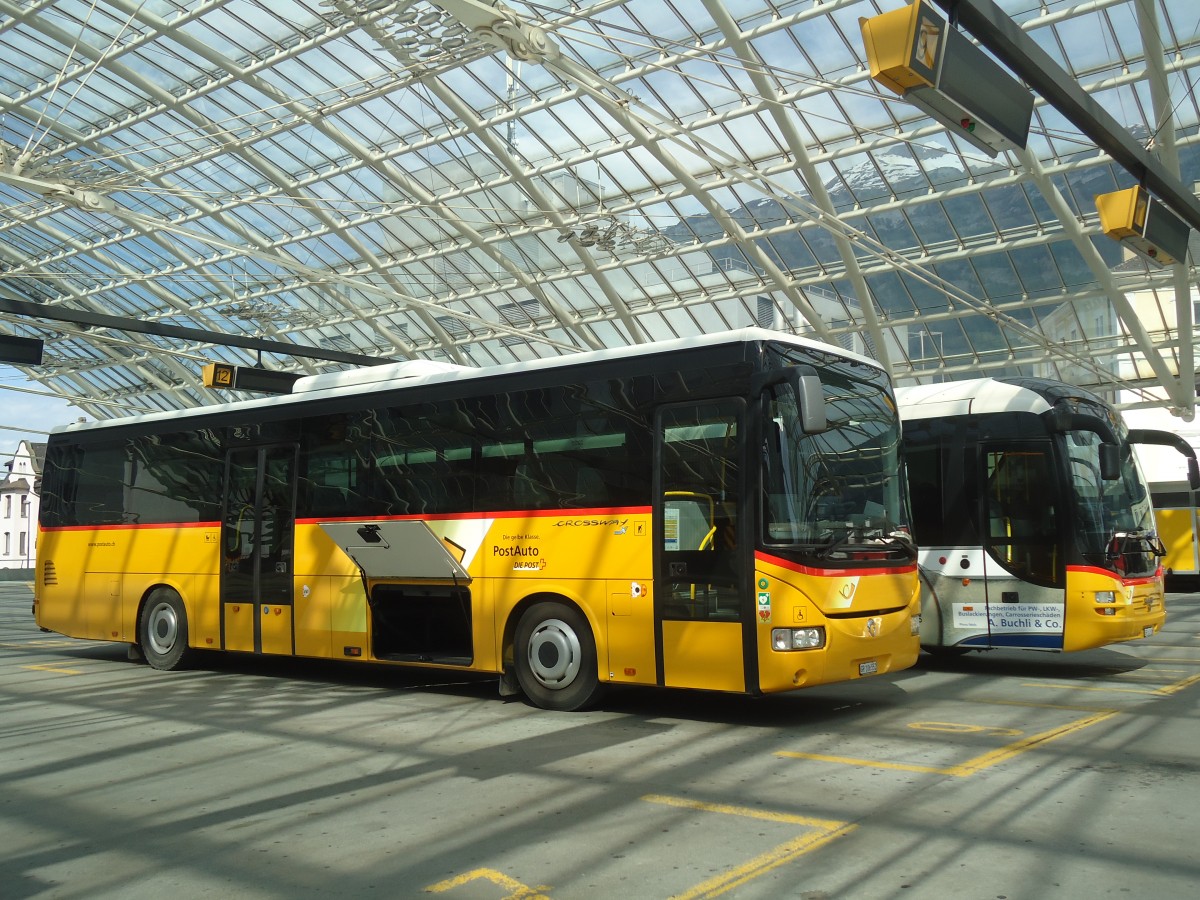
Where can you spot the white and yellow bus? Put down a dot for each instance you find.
(724, 513)
(1035, 524)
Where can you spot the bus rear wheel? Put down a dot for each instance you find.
(163, 630)
(556, 658)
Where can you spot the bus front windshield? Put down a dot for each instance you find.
(1115, 519)
(836, 495)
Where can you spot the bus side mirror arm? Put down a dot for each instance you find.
(1167, 439)
(806, 386)
(1061, 420)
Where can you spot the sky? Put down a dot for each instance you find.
(31, 415)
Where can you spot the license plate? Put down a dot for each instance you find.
(1146, 632)
(868, 668)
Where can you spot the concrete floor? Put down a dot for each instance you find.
(998, 776)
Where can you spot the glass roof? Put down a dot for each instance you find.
(480, 185)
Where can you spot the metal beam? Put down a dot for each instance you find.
(996, 31)
(32, 310)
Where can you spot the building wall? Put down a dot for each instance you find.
(18, 508)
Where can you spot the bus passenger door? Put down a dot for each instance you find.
(704, 629)
(1024, 565)
(257, 531)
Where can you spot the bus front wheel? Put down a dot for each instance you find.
(555, 657)
(163, 630)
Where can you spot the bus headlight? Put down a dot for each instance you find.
(914, 625)
(1106, 597)
(797, 638)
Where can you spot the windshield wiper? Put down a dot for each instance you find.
(1138, 541)
(834, 542)
(900, 538)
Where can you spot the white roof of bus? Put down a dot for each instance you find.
(961, 398)
(412, 372)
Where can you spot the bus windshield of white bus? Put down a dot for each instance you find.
(1115, 518)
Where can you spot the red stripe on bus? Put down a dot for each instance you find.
(1116, 576)
(827, 573)
(500, 514)
(131, 526)
(495, 514)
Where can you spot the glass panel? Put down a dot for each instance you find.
(700, 483)
(1022, 522)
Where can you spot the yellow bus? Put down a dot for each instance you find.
(1176, 517)
(1034, 520)
(724, 513)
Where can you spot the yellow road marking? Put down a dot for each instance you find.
(1063, 706)
(515, 888)
(744, 811)
(1016, 748)
(1008, 751)
(866, 763)
(764, 862)
(971, 766)
(47, 667)
(1171, 659)
(1082, 687)
(1178, 685)
(959, 728)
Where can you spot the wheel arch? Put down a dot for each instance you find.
(509, 636)
(145, 597)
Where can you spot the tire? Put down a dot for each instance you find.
(555, 658)
(163, 630)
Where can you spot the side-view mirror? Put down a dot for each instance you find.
(1110, 462)
(806, 386)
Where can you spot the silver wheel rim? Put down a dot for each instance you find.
(554, 654)
(162, 628)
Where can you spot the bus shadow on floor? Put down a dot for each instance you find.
(812, 707)
(1032, 664)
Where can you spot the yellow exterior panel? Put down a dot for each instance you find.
(101, 603)
(1139, 609)
(704, 655)
(347, 605)
(276, 629)
(239, 627)
(1177, 530)
(312, 617)
(855, 644)
(630, 619)
(204, 611)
